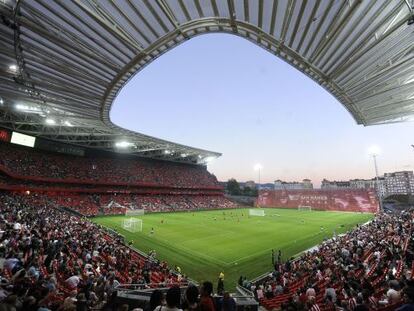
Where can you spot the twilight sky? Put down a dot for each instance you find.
(222, 93)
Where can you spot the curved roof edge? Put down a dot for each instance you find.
(62, 63)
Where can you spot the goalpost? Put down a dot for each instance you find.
(256, 212)
(135, 212)
(132, 225)
(304, 208)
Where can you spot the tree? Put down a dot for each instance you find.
(233, 187)
(250, 192)
(246, 190)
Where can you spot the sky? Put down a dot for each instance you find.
(222, 93)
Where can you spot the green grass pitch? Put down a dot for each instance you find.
(206, 243)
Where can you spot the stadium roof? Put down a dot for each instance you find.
(62, 63)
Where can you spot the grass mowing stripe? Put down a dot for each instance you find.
(206, 243)
(190, 251)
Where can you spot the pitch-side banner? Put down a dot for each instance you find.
(346, 200)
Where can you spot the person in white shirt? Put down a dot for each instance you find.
(393, 295)
(259, 292)
(73, 281)
(173, 300)
(17, 226)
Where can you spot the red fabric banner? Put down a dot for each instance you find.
(346, 200)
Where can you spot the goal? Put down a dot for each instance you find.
(256, 212)
(304, 208)
(132, 225)
(135, 212)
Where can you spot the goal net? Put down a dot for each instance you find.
(132, 225)
(304, 208)
(256, 212)
(134, 212)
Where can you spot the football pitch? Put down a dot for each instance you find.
(205, 243)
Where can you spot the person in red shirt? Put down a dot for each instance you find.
(302, 297)
(206, 300)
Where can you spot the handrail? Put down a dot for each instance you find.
(147, 286)
(297, 256)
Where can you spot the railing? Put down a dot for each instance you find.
(149, 287)
(297, 256)
(245, 292)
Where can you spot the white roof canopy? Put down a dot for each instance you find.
(66, 60)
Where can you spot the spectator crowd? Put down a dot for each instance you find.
(117, 204)
(108, 185)
(55, 260)
(32, 164)
(51, 259)
(94, 204)
(369, 268)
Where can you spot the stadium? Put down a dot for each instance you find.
(98, 217)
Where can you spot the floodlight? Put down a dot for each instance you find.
(50, 121)
(1, 101)
(183, 155)
(258, 167)
(67, 123)
(28, 109)
(374, 150)
(13, 67)
(167, 151)
(123, 144)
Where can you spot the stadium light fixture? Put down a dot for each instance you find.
(21, 107)
(67, 123)
(374, 150)
(258, 167)
(1, 101)
(28, 109)
(167, 151)
(183, 155)
(13, 67)
(209, 159)
(50, 122)
(123, 144)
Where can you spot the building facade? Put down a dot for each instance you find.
(307, 184)
(399, 183)
(293, 185)
(369, 184)
(251, 184)
(389, 184)
(328, 184)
